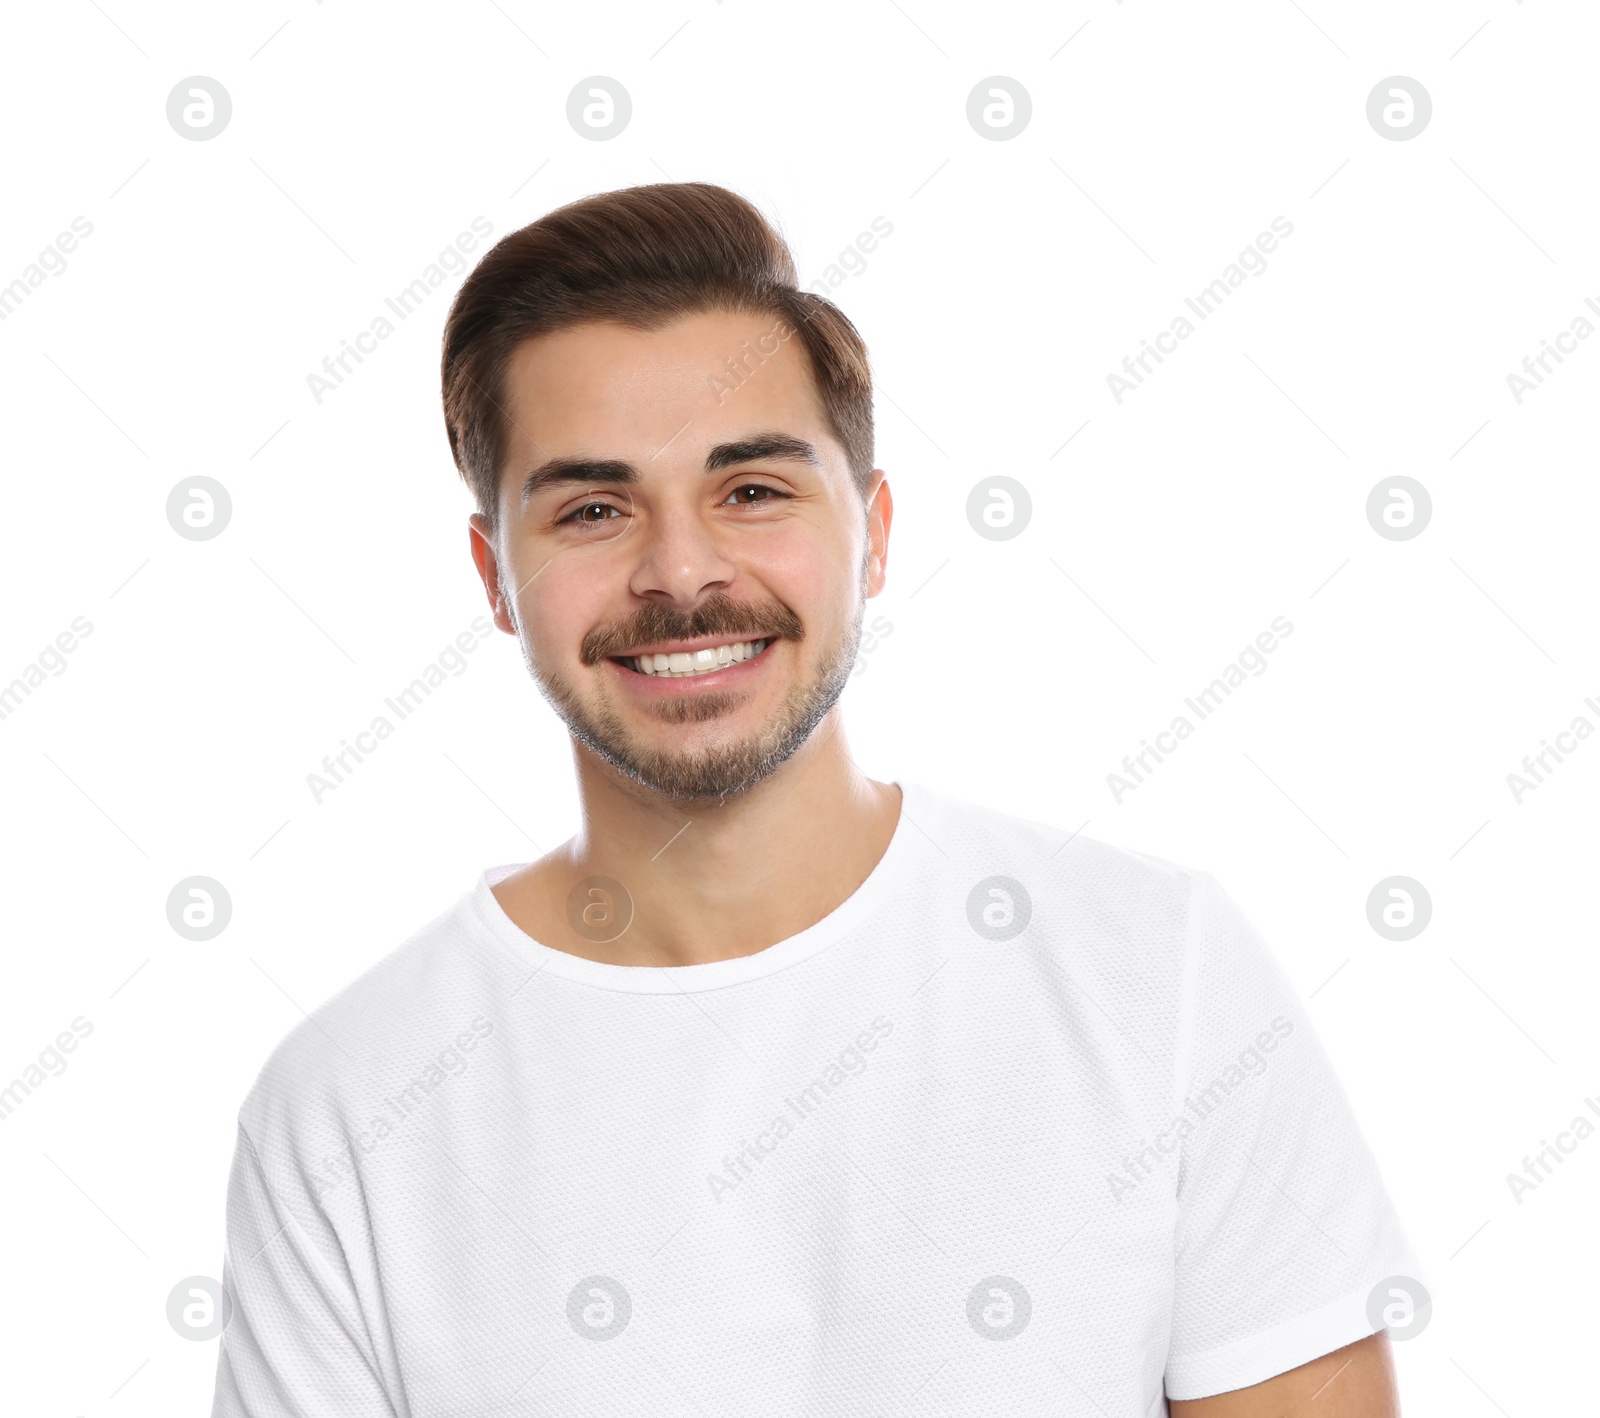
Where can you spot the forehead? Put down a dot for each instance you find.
(606, 389)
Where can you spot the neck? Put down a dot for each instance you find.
(710, 881)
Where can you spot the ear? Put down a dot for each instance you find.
(880, 513)
(484, 558)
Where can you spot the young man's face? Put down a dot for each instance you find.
(652, 503)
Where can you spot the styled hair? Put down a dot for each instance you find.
(642, 257)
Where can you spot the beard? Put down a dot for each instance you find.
(721, 771)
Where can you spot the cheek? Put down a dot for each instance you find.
(807, 571)
(560, 606)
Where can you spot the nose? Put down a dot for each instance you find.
(680, 554)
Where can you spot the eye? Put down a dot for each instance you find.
(738, 495)
(581, 517)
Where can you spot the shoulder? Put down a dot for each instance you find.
(444, 980)
(1059, 863)
(1121, 923)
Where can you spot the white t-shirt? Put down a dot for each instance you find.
(1030, 1124)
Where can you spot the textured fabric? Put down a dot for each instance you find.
(1030, 1125)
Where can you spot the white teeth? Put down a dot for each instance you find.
(684, 664)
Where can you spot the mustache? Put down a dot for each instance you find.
(718, 614)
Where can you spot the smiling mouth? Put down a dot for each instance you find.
(686, 664)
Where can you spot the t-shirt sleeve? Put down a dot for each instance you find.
(295, 1345)
(1284, 1227)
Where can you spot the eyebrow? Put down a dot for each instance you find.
(758, 447)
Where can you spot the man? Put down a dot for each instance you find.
(776, 1090)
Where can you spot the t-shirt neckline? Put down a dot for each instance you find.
(889, 872)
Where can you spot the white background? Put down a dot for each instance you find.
(1229, 489)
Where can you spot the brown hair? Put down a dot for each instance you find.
(644, 257)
